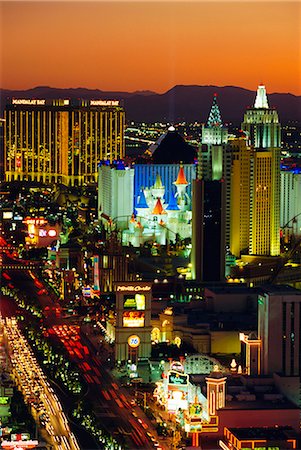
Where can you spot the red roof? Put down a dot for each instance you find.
(158, 209)
(181, 177)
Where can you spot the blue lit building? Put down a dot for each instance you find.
(146, 174)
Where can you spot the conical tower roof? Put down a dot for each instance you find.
(181, 177)
(158, 183)
(261, 100)
(158, 209)
(142, 200)
(215, 118)
(172, 205)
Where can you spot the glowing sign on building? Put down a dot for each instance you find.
(177, 366)
(37, 221)
(19, 445)
(136, 302)
(195, 409)
(177, 400)
(133, 319)
(7, 215)
(52, 232)
(27, 101)
(133, 288)
(96, 273)
(177, 378)
(134, 341)
(104, 102)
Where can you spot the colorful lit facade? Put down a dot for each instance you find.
(214, 158)
(146, 174)
(61, 141)
(40, 233)
(205, 403)
(272, 438)
(157, 219)
(115, 194)
(240, 196)
(262, 126)
(133, 321)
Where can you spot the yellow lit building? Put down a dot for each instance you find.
(262, 126)
(240, 196)
(61, 141)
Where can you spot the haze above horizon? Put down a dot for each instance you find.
(140, 46)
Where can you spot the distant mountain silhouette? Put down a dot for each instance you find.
(181, 103)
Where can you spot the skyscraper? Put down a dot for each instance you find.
(290, 211)
(208, 230)
(279, 322)
(61, 141)
(263, 128)
(215, 157)
(115, 194)
(212, 155)
(240, 195)
(211, 195)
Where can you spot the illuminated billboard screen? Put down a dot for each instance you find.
(134, 301)
(133, 319)
(177, 378)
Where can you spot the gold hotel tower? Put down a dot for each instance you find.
(61, 141)
(261, 124)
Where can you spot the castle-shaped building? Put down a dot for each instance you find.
(160, 219)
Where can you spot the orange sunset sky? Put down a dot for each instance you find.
(150, 45)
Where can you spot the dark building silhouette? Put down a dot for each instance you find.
(173, 150)
(208, 225)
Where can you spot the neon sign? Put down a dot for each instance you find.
(104, 102)
(136, 302)
(134, 341)
(133, 288)
(24, 101)
(177, 378)
(133, 319)
(35, 221)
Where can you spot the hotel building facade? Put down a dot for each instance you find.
(263, 129)
(61, 141)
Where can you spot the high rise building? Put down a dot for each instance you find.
(262, 125)
(61, 141)
(215, 158)
(290, 204)
(208, 230)
(115, 194)
(279, 326)
(240, 195)
(212, 164)
(211, 201)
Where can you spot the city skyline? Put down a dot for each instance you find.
(129, 46)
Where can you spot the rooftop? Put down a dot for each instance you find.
(269, 433)
(280, 289)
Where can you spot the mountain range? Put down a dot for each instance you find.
(181, 103)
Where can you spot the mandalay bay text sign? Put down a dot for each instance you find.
(104, 102)
(27, 101)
